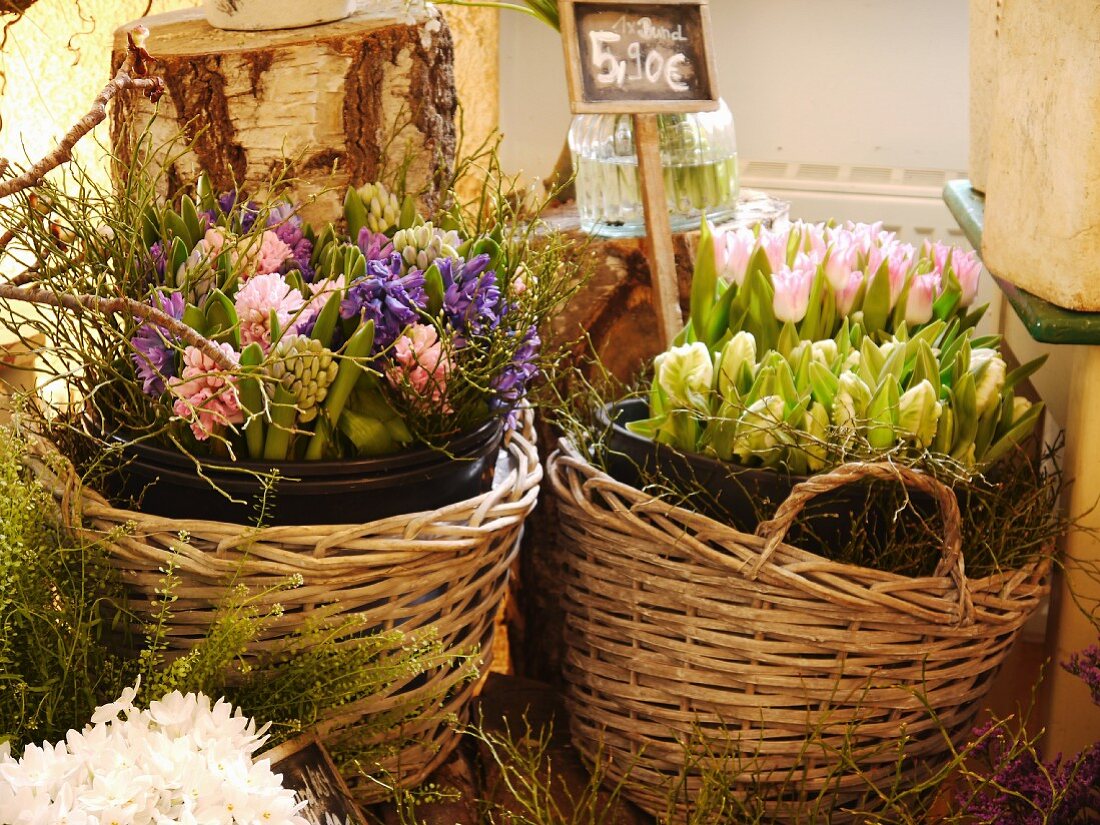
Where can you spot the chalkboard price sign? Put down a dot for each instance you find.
(638, 57)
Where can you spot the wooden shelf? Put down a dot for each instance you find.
(1045, 322)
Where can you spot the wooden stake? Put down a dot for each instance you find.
(662, 260)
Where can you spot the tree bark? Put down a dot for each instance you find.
(363, 99)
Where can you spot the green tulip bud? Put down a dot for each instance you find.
(815, 425)
(1019, 407)
(919, 413)
(736, 363)
(850, 404)
(686, 373)
(988, 369)
(825, 352)
(758, 431)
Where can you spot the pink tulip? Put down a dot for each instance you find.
(846, 295)
(968, 269)
(774, 245)
(898, 262)
(841, 261)
(792, 293)
(922, 294)
(939, 253)
(732, 252)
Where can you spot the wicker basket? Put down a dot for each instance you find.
(446, 569)
(765, 661)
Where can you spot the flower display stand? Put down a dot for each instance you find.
(336, 103)
(1070, 719)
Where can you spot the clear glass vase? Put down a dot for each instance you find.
(699, 154)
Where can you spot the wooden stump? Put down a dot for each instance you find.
(346, 102)
(615, 311)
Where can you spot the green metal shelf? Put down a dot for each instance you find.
(1045, 322)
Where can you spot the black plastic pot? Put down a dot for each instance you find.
(166, 483)
(744, 496)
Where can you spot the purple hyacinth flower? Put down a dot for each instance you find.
(155, 358)
(391, 300)
(511, 385)
(160, 259)
(375, 246)
(471, 296)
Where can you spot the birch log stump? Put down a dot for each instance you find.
(614, 313)
(348, 102)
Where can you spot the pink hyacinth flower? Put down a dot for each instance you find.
(732, 252)
(205, 396)
(846, 295)
(923, 291)
(422, 363)
(792, 293)
(272, 254)
(257, 298)
(968, 269)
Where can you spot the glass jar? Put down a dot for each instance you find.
(699, 155)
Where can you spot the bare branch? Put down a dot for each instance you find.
(153, 86)
(120, 305)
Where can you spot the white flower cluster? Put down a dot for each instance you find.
(180, 761)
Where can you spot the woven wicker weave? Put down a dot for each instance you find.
(447, 569)
(682, 632)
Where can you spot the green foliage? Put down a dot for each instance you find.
(67, 644)
(54, 664)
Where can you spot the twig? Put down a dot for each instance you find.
(120, 305)
(153, 86)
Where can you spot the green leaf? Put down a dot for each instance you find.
(274, 326)
(704, 282)
(433, 288)
(207, 199)
(1023, 372)
(357, 348)
(1019, 432)
(325, 325)
(811, 327)
(284, 409)
(191, 220)
(355, 213)
(176, 259)
(487, 246)
(221, 318)
(718, 321)
(369, 435)
(882, 414)
(408, 217)
(194, 318)
(150, 226)
(252, 401)
(925, 367)
(876, 303)
(966, 416)
(823, 384)
(177, 229)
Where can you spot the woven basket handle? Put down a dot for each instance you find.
(951, 561)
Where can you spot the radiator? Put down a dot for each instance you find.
(907, 201)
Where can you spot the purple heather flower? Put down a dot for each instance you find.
(1024, 790)
(471, 297)
(155, 358)
(375, 246)
(391, 300)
